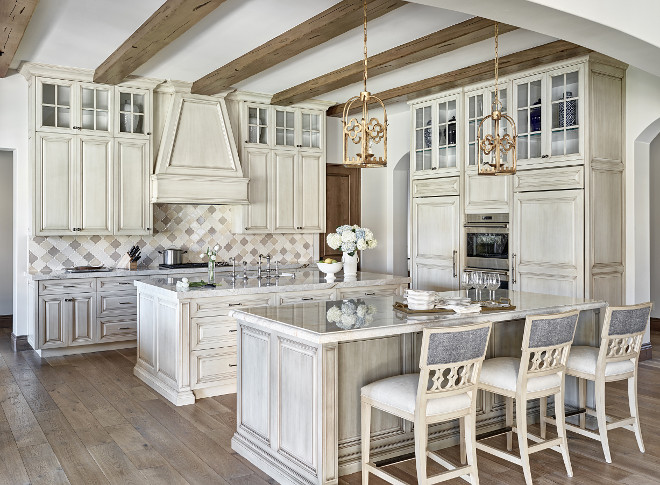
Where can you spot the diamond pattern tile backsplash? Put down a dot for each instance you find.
(191, 227)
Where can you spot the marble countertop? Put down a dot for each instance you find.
(149, 272)
(334, 321)
(302, 280)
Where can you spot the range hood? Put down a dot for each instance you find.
(197, 160)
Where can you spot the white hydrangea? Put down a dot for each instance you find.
(362, 245)
(372, 243)
(348, 236)
(334, 240)
(368, 235)
(347, 321)
(334, 314)
(362, 311)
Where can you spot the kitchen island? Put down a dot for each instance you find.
(301, 368)
(187, 340)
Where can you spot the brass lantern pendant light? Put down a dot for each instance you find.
(497, 153)
(367, 131)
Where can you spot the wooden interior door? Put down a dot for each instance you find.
(342, 203)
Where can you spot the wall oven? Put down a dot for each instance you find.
(487, 244)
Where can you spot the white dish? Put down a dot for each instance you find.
(330, 268)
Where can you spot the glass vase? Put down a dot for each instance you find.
(211, 272)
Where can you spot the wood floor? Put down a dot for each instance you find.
(87, 420)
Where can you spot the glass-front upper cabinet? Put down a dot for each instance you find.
(257, 124)
(311, 130)
(475, 113)
(565, 126)
(447, 134)
(529, 117)
(423, 138)
(55, 105)
(285, 128)
(479, 103)
(133, 105)
(95, 103)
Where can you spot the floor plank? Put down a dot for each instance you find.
(42, 465)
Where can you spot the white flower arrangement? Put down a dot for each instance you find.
(351, 239)
(351, 314)
(212, 254)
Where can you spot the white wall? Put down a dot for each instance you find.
(14, 137)
(6, 233)
(654, 216)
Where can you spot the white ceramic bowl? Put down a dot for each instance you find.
(330, 268)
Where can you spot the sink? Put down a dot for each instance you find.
(88, 269)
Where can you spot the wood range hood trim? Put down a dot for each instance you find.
(197, 160)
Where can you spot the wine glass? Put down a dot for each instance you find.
(493, 283)
(479, 283)
(465, 281)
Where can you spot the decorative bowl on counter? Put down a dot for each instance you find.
(330, 269)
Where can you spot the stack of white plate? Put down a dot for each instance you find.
(455, 300)
(420, 299)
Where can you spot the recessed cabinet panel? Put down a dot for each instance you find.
(312, 177)
(82, 320)
(285, 189)
(487, 194)
(53, 316)
(95, 185)
(132, 203)
(55, 183)
(256, 164)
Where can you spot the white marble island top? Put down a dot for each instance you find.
(312, 321)
(299, 281)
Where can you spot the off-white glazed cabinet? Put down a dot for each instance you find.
(283, 154)
(92, 149)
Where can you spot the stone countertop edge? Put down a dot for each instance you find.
(409, 326)
(168, 292)
(119, 272)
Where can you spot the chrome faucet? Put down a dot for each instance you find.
(233, 267)
(277, 269)
(268, 265)
(259, 267)
(245, 276)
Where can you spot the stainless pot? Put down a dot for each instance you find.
(172, 256)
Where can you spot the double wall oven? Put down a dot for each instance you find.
(487, 245)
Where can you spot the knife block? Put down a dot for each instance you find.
(133, 266)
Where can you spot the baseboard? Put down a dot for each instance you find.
(655, 324)
(645, 353)
(19, 342)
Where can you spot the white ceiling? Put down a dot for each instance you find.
(82, 33)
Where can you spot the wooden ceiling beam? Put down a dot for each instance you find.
(528, 59)
(441, 42)
(15, 16)
(168, 23)
(330, 23)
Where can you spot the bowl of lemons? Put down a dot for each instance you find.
(329, 266)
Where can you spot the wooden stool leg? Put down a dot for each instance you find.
(582, 400)
(602, 418)
(521, 425)
(461, 423)
(509, 423)
(634, 411)
(544, 414)
(421, 439)
(561, 430)
(366, 440)
(471, 445)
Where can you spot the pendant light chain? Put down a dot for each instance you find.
(364, 10)
(497, 103)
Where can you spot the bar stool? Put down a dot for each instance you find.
(615, 360)
(445, 389)
(537, 374)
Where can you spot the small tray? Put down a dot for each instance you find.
(402, 307)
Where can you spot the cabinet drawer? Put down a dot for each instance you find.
(221, 306)
(549, 179)
(106, 285)
(367, 292)
(304, 296)
(116, 304)
(212, 367)
(53, 287)
(211, 332)
(111, 330)
(435, 187)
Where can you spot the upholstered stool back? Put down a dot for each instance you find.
(623, 332)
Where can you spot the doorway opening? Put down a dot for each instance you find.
(6, 238)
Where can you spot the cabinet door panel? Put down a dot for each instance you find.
(312, 182)
(285, 188)
(95, 179)
(52, 322)
(54, 180)
(436, 242)
(257, 165)
(487, 194)
(82, 321)
(132, 203)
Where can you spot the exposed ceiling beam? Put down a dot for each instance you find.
(330, 23)
(518, 61)
(446, 40)
(168, 23)
(15, 16)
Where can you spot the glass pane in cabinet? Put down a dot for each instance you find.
(427, 137)
(535, 146)
(316, 139)
(289, 119)
(479, 108)
(263, 116)
(535, 119)
(522, 96)
(451, 156)
(252, 116)
(102, 120)
(48, 94)
(252, 134)
(523, 126)
(125, 102)
(63, 118)
(138, 103)
(419, 160)
(138, 123)
(535, 93)
(442, 135)
(306, 123)
(442, 113)
(503, 99)
(572, 89)
(557, 87)
(126, 122)
(279, 136)
(88, 98)
(471, 107)
(289, 138)
(570, 112)
(419, 139)
(63, 95)
(316, 122)
(427, 116)
(88, 119)
(472, 131)
(557, 143)
(557, 115)
(263, 135)
(279, 118)
(48, 115)
(419, 117)
(442, 158)
(522, 147)
(472, 157)
(427, 159)
(102, 99)
(572, 141)
(451, 134)
(306, 138)
(451, 110)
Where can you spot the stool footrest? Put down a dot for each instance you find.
(395, 459)
(495, 432)
(571, 412)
